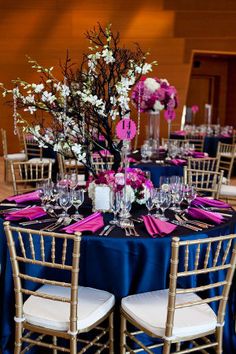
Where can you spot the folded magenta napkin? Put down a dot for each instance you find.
(180, 132)
(103, 153)
(209, 202)
(198, 154)
(92, 223)
(177, 162)
(206, 215)
(27, 197)
(131, 159)
(27, 213)
(156, 227)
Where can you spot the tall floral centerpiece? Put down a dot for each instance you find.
(73, 112)
(153, 95)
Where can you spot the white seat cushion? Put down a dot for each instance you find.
(17, 157)
(93, 304)
(150, 311)
(73, 163)
(43, 160)
(228, 190)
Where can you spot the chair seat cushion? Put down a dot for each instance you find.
(93, 304)
(21, 156)
(150, 311)
(228, 190)
(43, 160)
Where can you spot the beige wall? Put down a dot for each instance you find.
(45, 29)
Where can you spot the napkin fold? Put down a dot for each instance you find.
(180, 132)
(177, 162)
(90, 223)
(156, 227)
(102, 153)
(27, 197)
(209, 202)
(27, 213)
(206, 215)
(198, 154)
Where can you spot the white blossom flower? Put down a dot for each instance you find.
(30, 109)
(38, 88)
(146, 68)
(65, 90)
(108, 56)
(158, 106)
(28, 99)
(48, 97)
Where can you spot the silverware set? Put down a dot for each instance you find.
(128, 227)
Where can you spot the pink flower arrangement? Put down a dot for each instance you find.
(137, 183)
(195, 109)
(153, 94)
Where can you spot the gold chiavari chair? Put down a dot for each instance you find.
(205, 164)
(226, 154)
(71, 166)
(198, 142)
(206, 182)
(181, 315)
(55, 308)
(102, 163)
(26, 175)
(33, 151)
(9, 157)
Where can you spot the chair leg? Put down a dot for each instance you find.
(73, 345)
(18, 335)
(122, 335)
(54, 341)
(166, 347)
(111, 333)
(219, 338)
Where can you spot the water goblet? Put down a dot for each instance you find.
(165, 203)
(156, 201)
(65, 201)
(77, 201)
(189, 194)
(115, 203)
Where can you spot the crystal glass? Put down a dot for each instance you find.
(189, 194)
(164, 183)
(65, 201)
(115, 206)
(77, 201)
(157, 202)
(164, 204)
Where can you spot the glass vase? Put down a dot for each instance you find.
(153, 135)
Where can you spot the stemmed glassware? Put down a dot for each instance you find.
(65, 201)
(77, 201)
(115, 203)
(150, 200)
(157, 202)
(190, 194)
(165, 201)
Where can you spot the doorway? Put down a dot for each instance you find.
(212, 81)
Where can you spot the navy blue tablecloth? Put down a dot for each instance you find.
(120, 265)
(210, 142)
(156, 171)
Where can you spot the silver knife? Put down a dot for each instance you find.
(104, 230)
(109, 230)
(25, 223)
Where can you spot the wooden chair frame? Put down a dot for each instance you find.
(205, 164)
(198, 142)
(204, 181)
(226, 154)
(178, 142)
(102, 163)
(25, 175)
(215, 257)
(69, 165)
(60, 262)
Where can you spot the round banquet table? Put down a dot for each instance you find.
(210, 142)
(121, 265)
(157, 170)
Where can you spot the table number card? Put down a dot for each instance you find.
(102, 198)
(126, 129)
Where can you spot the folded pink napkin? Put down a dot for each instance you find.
(180, 132)
(102, 153)
(131, 159)
(209, 202)
(27, 197)
(198, 154)
(27, 213)
(201, 214)
(156, 227)
(177, 162)
(91, 223)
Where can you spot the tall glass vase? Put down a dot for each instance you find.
(154, 131)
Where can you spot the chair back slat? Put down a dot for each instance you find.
(215, 254)
(31, 250)
(208, 182)
(26, 175)
(226, 154)
(205, 164)
(102, 163)
(4, 142)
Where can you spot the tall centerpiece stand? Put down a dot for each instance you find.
(154, 132)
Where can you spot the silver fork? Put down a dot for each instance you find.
(132, 228)
(53, 225)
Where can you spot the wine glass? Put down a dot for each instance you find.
(144, 152)
(156, 201)
(190, 194)
(150, 200)
(165, 203)
(115, 203)
(65, 201)
(77, 201)
(164, 183)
